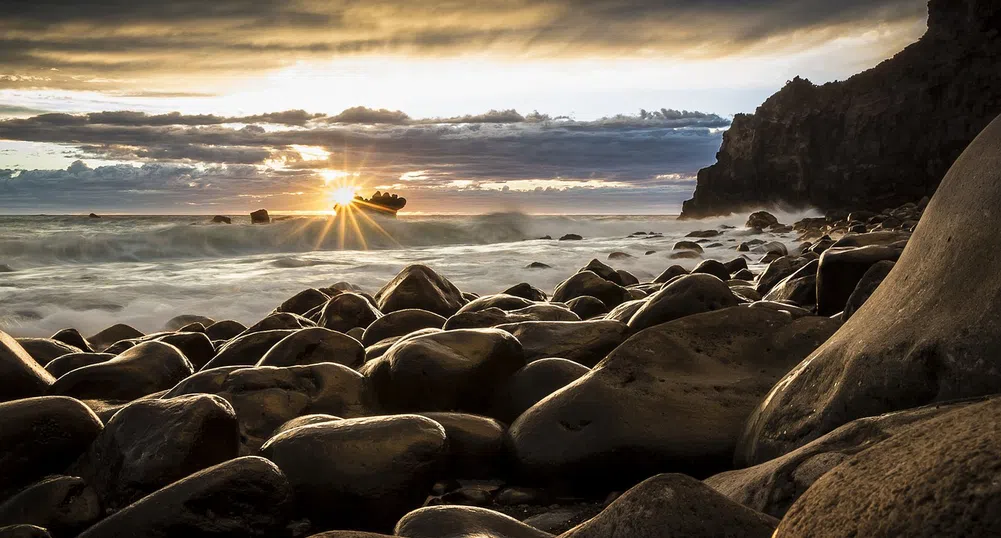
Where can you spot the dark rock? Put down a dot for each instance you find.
(704, 233)
(66, 363)
(104, 339)
(761, 220)
(151, 443)
(669, 273)
(260, 217)
(43, 350)
(493, 317)
(589, 283)
(194, 327)
(500, 300)
(247, 350)
(347, 311)
(870, 239)
(585, 342)
(935, 478)
(619, 256)
(94, 216)
(571, 237)
(64, 505)
(690, 294)
(685, 255)
(221, 219)
(446, 371)
(538, 265)
(743, 274)
(736, 264)
(777, 271)
(587, 307)
(688, 245)
(674, 505)
(799, 288)
(177, 322)
(305, 420)
(314, 345)
(379, 349)
(475, 445)
(42, 436)
(278, 321)
(360, 473)
(672, 397)
(603, 270)
(20, 375)
(463, 522)
(526, 291)
(303, 302)
(625, 311)
(531, 384)
(714, 268)
(865, 288)
(840, 272)
(224, 330)
(878, 139)
(240, 498)
(627, 278)
(418, 286)
(144, 369)
(24, 531)
(74, 338)
(926, 335)
(400, 323)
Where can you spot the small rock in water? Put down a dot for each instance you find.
(571, 237)
(538, 265)
(221, 219)
(94, 216)
(704, 233)
(260, 217)
(619, 256)
(4, 268)
(761, 220)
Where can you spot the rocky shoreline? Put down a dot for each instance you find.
(806, 400)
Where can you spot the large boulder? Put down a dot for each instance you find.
(141, 370)
(526, 291)
(418, 286)
(303, 302)
(687, 295)
(24, 531)
(399, 323)
(671, 398)
(463, 522)
(841, 270)
(778, 270)
(531, 384)
(603, 270)
(493, 317)
(475, 445)
(42, 436)
(585, 342)
(43, 350)
(149, 444)
(674, 505)
(936, 478)
(20, 375)
(241, 498)
(248, 349)
(445, 371)
(590, 283)
(346, 311)
(64, 505)
(360, 473)
(265, 397)
(930, 333)
(501, 300)
(799, 288)
(865, 288)
(315, 345)
(104, 339)
(73, 337)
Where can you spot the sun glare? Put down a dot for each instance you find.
(343, 196)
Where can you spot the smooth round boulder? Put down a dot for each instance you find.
(866, 286)
(500, 300)
(625, 311)
(224, 330)
(303, 302)
(674, 505)
(44, 350)
(305, 420)
(20, 375)
(149, 444)
(589, 283)
(586, 342)
(492, 317)
(685, 296)
(278, 321)
(24, 531)
(587, 307)
(475, 445)
(73, 337)
(670, 273)
(799, 288)
(64, 505)
(445, 371)
(761, 220)
(70, 362)
(42, 436)
(603, 270)
(463, 522)
(315, 345)
(531, 384)
(526, 291)
(362, 473)
(177, 322)
(714, 268)
(777, 271)
(841, 270)
(418, 286)
(379, 349)
(347, 311)
(144, 369)
(247, 349)
(104, 339)
(243, 497)
(673, 397)
(399, 323)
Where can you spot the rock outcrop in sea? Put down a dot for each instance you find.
(878, 139)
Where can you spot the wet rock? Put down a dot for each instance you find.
(777, 271)
(151, 443)
(627, 278)
(247, 350)
(225, 329)
(315, 345)
(380, 348)
(104, 339)
(674, 505)
(418, 286)
(761, 220)
(538, 265)
(625, 311)
(685, 255)
(704, 233)
(571, 237)
(585, 342)
(66, 363)
(360, 473)
(177, 322)
(587, 307)
(446, 371)
(744, 274)
(526, 291)
(43, 350)
(589, 283)
(603, 270)
(619, 256)
(260, 217)
(400, 323)
(463, 522)
(690, 294)
(303, 302)
(493, 317)
(713, 267)
(841, 270)
(688, 245)
(20, 375)
(671, 272)
(24, 531)
(936, 478)
(42, 436)
(74, 338)
(736, 264)
(475, 445)
(144, 369)
(799, 288)
(65, 505)
(240, 498)
(672, 397)
(867, 286)
(529, 385)
(347, 311)
(305, 420)
(500, 300)
(278, 321)
(221, 219)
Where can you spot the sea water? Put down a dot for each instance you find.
(75, 271)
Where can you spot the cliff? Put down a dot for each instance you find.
(879, 139)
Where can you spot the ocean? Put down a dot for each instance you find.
(74, 271)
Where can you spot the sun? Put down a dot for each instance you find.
(343, 196)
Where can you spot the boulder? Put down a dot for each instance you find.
(445, 371)
(761, 220)
(305, 420)
(500, 300)
(74, 338)
(928, 334)
(360, 473)
(865, 288)
(144, 369)
(221, 219)
(669, 273)
(587, 307)
(149, 444)
(224, 330)
(936, 478)
(346, 311)
(399, 323)
(672, 397)
(244, 497)
(463, 522)
(315, 345)
(24, 531)
(20, 375)
(589, 283)
(104, 339)
(526, 291)
(674, 505)
(571, 237)
(64, 505)
(44, 350)
(713, 267)
(303, 302)
(177, 322)
(475, 445)
(687, 295)
(529, 385)
(380, 348)
(278, 321)
(247, 350)
(492, 317)
(418, 286)
(260, 217)
(777, 271)
(70, 362)
(799, 288)
(585, 342)
(841, 270)
(688, 245)
(42, 436)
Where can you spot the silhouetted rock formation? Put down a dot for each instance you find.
(260, 217)
(879, 139)
(384, 204)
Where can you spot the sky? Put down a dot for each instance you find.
(540, 106)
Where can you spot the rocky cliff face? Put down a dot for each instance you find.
(879, 139)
